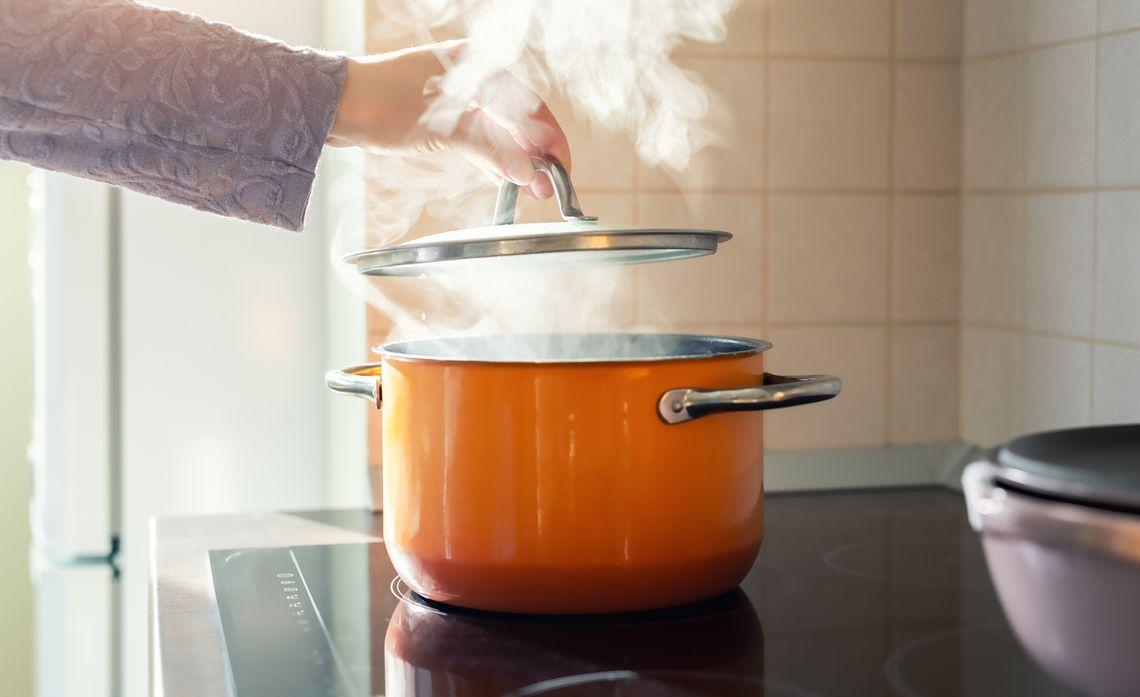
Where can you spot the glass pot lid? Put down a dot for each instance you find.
(578, 240)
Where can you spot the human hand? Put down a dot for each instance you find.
(398, 102)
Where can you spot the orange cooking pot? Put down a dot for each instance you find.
(574, 473)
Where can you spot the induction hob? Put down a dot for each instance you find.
(855, 593)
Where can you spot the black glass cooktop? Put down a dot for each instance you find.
(855, 593)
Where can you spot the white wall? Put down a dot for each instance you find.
(15, 431)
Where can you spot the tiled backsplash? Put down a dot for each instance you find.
(839, 176)
(1050, 236)
(847, 114)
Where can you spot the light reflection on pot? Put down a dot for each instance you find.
(715, 645)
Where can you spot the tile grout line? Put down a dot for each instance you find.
(1046, 334)
(636, 193)
(1024, 183)
(1095, 215)
(766, 173)
(888, 405)
(1029, 48)
(786, 191)
(961, 217)
(789, 191)
(820, 58)
(1013, 191)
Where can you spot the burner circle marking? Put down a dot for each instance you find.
(786, 583)
(1000, 661)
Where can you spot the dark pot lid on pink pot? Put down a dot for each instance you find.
(1097, 466)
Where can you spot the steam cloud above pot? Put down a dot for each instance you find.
(613, 61)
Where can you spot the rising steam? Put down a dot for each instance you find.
(612, 60)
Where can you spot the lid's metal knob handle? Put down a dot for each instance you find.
(563, 191)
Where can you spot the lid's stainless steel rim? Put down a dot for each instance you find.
(680, 243)
(698, 242)
(994, 510)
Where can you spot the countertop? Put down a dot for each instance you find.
(186, 646)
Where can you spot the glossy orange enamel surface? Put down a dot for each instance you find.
(556, 487)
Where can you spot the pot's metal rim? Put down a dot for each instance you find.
(716, 347)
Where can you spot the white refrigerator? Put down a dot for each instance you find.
(179, 370)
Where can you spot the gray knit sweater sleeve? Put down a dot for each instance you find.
(165, 103)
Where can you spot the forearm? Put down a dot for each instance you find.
(165, 103)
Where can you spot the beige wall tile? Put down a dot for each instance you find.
(1118, 267)
(1060, 115)
(927, 126)
(744, 35)
(722, 288)
(992, 114)
(1056, 385)
(992, 259)
(1059, 263)
(1116, 384)
(1059, 20)
(1119, 103)
(924, 384)
(994, 25)
(829, 258)
(1116, 15)
(925, 257)
(928, 28)
(736, 117)
(991, 385)
(857, 417)
(830, 27)
(829, 125)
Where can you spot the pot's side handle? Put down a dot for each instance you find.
(360, 380)
(979, 491)
(778, 391)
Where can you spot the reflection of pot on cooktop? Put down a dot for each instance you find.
(684, 650)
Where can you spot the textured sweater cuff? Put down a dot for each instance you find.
(297, 185)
